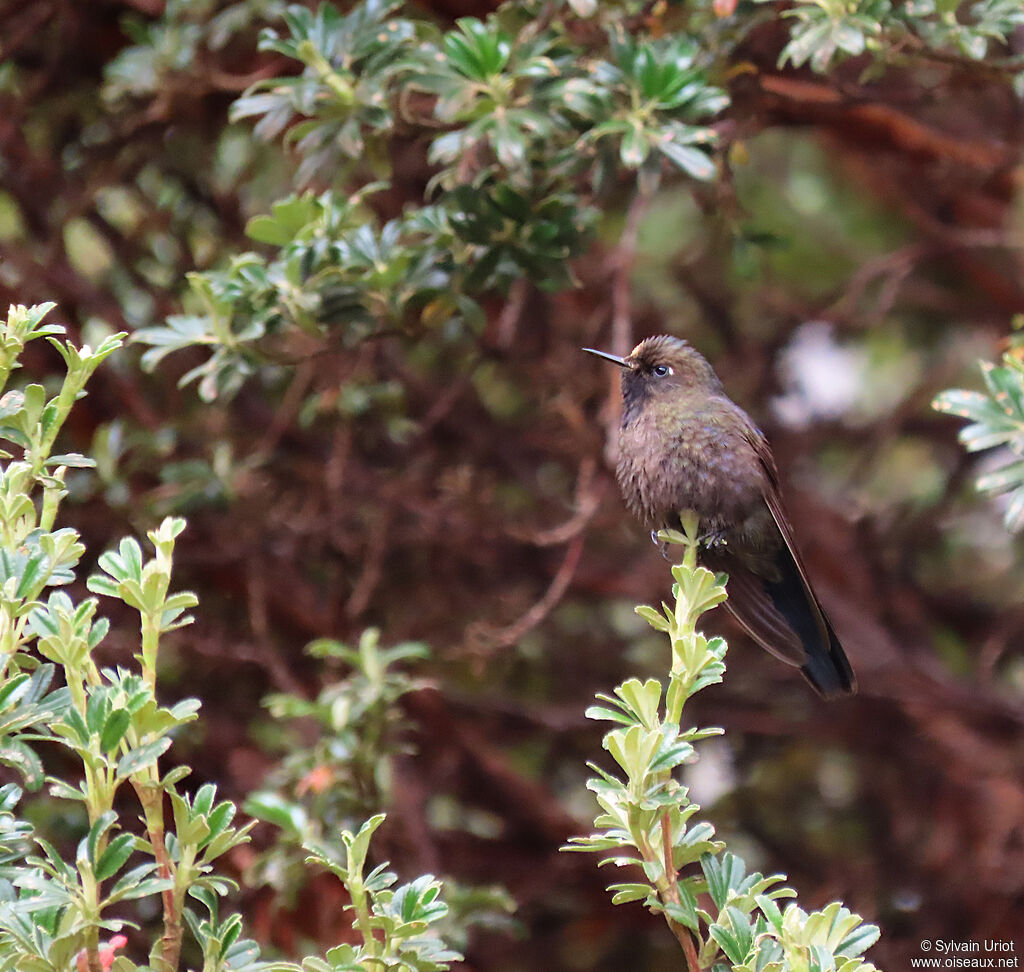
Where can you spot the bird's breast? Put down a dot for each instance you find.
(700, 460)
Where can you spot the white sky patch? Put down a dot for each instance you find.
(822, 379)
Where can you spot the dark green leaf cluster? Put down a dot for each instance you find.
(518, 104)
(164, 50)
(25, 701)
(532, 123)
(342, 99)
(973, 30)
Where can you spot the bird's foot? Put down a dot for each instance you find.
(661, 545)
(715, 540)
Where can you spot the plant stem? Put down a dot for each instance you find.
(668, 888)
(150, 645)
(167, 953)
(372, 944)
(685, 938)
(92, 950)
(671, 893)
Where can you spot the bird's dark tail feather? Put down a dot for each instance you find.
(825, 664)
(829, 671)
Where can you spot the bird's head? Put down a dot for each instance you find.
(662, 367)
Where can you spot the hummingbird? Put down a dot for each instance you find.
(685, 445)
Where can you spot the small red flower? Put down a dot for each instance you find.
(107, 955)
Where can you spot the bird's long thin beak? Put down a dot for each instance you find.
(614, 358)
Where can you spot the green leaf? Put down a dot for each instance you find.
(275, 809)
(692, 161)
(633, 749)
(73, 459)
(966, 404)
(138, 759)
(220, 817)
(1004, 478)
(135, 885)
(724, 873)
(13, 689)
(114, 729)
(771, 911)
(202, 802)
(634, 149)
(99, 828)
(1013, 517)
(602, 713)
(654, 618)
(685, 912)
(359, 843)
(642, 699)
(21, 757)
(861, 938)
(629, 892)
(290, 217)
(475, 51)
(113, 858)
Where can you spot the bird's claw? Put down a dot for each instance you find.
(715, 540)
(661, 545)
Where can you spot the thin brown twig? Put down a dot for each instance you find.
(287, 411)
(621, 268)
(682, 933)
(588, 498)
(669, 891)
(513, 633)
(151, 799)
(226, 81)
(442, 408)
(893, 268)
(373, 564)
(685, 938)
(508, 319)
(259, 653)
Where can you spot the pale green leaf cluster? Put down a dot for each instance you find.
(56, 913)
(649, 825)
(824, 31)
(996, 420)
(393, 924)
(323, 789)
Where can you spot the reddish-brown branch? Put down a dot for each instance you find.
(620, 266)
(513, 633)
(683, 934)
(588, 497)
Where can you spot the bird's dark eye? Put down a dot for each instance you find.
(661, 370)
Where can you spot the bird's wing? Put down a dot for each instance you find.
(751, 606)
(749, 601)
(823, 660)
(773, 499)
